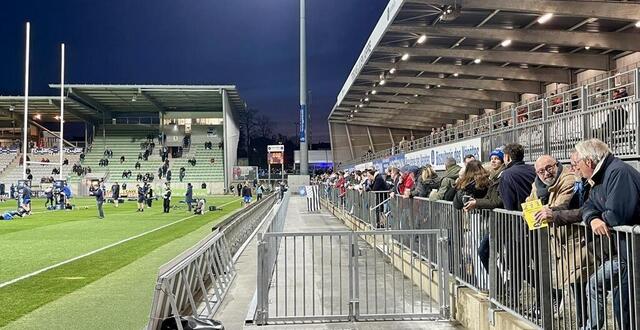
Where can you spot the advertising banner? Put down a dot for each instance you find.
(245, 173)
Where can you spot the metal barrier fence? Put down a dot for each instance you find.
(346, 276)
(554, 278)
(196, 281)
(606, 108)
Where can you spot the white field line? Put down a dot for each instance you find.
(100, 249)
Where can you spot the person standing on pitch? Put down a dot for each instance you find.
(188, 196)
(115, 193)
(140, 198)
(98, 193)
(167, 198)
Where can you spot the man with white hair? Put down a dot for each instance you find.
(613, 201)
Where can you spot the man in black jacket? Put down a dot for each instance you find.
(516, 179)
(613, 201)
(98, 193)
(166, 196)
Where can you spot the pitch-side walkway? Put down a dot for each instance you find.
(233, 311)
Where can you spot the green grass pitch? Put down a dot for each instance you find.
(48, 237)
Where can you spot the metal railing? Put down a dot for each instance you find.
(553, 278)
(351, 276)
(195, 282)
(551, 123)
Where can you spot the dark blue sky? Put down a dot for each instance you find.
(250, 43)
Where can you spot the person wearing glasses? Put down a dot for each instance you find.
(553, 186)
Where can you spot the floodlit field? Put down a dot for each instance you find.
(117, 261)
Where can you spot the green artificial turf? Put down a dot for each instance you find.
(46, 238)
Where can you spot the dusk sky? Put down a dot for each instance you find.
(250, 43)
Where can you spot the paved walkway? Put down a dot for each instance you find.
(314, 280)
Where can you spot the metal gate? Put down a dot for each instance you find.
(352, 276)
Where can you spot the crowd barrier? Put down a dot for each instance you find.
(195, 282)
(555, 277)
(605, 108)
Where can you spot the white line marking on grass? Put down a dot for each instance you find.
(101, 249)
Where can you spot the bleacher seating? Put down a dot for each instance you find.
(123, 140)
(204, 171)
(13, 172)
(7, 159)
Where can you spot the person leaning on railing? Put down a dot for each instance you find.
(613, 201)
(553, 186)
(426, 182)
(579, 263)
(490, 201)
(446, 191)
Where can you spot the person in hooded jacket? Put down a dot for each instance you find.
(427, 181)
(446, 191)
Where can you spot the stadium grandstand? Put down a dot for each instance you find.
(135, 123)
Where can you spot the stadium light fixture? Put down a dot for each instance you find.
(422, 39)
(477, 61)
(415, 95)
(57, 117)
(374, 92)
(382, 82)
(392, 71)
(638, 24)
(356, 110)
(505, 43)
(405, 57)
(587, 47)
(455, 74)
(545, 18)
(366, 99)
(37, 117)
(438, 86)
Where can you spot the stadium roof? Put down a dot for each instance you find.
(442, 60)
(153, 98)
(45, 107)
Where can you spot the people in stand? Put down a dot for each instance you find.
(447, 191)
(496, 166)
(183, 173)
(122, 158)
(613, 201)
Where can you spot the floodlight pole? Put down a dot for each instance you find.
(61, 150)
(26, 104)
(304, 154)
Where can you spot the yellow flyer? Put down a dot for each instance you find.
(529, 210)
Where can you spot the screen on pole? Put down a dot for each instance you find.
(276, 158)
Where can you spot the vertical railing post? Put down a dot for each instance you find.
(546, 141)
(636, 108)
(493, 265)
(584, 106)
(443, 270)
(544, 280)
(262, 303)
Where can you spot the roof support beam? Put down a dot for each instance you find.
(447, 93)
(89, 101)
(373, 147)
(534, 74)
(346, 128)
(463, 103)
(581, 61)
(152, 100)
(495, 85)
(394, 125)
(609, 10)
(56, 103)
(405, 114)
(445, 110)
(605, 40)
